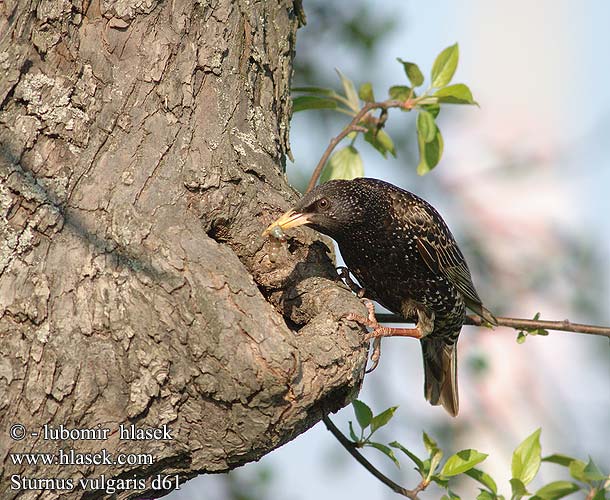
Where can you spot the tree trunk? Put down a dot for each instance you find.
(142, 153)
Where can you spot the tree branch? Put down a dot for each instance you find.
(519, 324)
(351, 448)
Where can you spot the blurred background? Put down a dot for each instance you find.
(524, 184)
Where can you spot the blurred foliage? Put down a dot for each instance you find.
(347, 34)
(251, 484)
(357, 26)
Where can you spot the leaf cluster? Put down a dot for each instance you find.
(526, 461)
(346, 163)
(522, 334)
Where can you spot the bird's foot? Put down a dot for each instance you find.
(344, 273)
(380, 331)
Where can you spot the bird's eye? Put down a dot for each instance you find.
(323, 204)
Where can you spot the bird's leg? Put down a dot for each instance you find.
(344, 274)
(380, 331)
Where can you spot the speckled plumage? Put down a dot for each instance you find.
(403, 254)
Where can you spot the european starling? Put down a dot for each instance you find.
(404, 256)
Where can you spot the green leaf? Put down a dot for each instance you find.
(455, 94)
(386, 450)
(436, 455)
(352, 434)
(350, 92)
(426, 469)
(433, 109)
(539, 331)
(526, 458)
(429, 153)
(555, 490)
(486, 495)
(591, 472)
(518, 488)
(365, 92)
(483, 478)
(450, 496)
(314, 90)
(462, 461)
(430, 444)
(444, 66)
(426, 127)
(435, 459)
(577, 470)
(442, 482)
(304, 102)
(416, 460)
(399, 92)
(559, 459)
(381, 141)
(362, 411)
(344, 164)
(521, 336)
(382, 419)
(413, 72)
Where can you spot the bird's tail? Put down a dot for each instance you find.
(480, 310)
(440, 369)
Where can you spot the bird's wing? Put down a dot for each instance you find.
(443, 256)
(437, 247)
(435, 243)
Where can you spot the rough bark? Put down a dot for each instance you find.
(142, 153)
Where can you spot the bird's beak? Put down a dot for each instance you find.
(288, 220)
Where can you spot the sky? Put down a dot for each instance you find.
(524, 173)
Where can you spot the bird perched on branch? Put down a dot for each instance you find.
(404, 256)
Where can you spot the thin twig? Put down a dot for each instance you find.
(351, 448)
(351, 127)
(519, 324)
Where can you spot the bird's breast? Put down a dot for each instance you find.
(394, 274)
(387, 267)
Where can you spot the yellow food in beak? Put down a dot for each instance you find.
(288, 220)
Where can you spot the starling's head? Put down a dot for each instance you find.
(331, 208)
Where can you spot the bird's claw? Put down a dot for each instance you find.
(375, 355)
(344, 273)
(370, 321)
